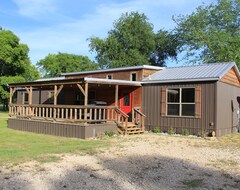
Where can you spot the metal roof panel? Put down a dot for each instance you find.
(194, 72)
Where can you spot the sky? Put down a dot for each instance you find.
(52, 26)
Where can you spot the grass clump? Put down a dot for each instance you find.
(171, 131)
(109, 133)
(185, 132)
(228, 141)
(156, 130)
(17, 147)
(194, 183)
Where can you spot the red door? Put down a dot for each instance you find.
(126, 101)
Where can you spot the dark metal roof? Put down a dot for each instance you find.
(204, 72)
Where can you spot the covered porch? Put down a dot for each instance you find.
(88, 103)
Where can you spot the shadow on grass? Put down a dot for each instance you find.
(137, 172)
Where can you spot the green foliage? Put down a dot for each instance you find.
(55, 64)
(193, 183)
(185, 132)
(4, 88)
(156, 130)
(132, 42)
(15, 65)
(211, 33)
(171, 131)
(17, 147)
(14, 58)
(166, 46)
(109, 133)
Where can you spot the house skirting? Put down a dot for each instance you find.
(61, 129)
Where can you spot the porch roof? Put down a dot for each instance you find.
(62, 81)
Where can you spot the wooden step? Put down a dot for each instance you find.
(130, 124)
(130, 130)
(135, 132)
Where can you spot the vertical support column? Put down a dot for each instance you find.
(12, 90)
(116, 95)
(116, 100)
(85, 103)
(30, 102)
(55, 95)
(54, 103)
(10, 98)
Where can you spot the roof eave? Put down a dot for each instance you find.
(181, 80)
(115, 70)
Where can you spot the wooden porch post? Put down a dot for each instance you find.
(116, 101)
(116, 95)
(56, 93)
(85, 102)
(29, 91)
(30, 96)
(12, 91)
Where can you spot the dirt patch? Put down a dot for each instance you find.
(146, 161)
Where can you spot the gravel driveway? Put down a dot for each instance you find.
(140, 162)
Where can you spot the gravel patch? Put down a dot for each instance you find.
(140, 162)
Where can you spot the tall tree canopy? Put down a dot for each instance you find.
(132, 42)
(211, 33)
(55, 64)
(15, 65)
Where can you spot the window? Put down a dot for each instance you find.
(25, 98)
(51, 97)
(181, 101)
(109, 76)
(126, 99)
(79, 97)
(133, 77)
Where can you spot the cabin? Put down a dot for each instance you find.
(81, 104)
(201, 99)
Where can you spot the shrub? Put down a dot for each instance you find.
(109, 133)
(185, 132)
(156, 130)
(171, 131)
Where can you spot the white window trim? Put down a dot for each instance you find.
(109, 75)
(180, 103)
(131, 76)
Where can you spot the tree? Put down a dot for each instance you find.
(14, 58)
(166, 46)
(15, 65)
(211, 33)
(55, 64)
(4, 88)
(131, 42)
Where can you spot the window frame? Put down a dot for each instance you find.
(109, 76)
(131, 78)
(180, 103)
(24, 95)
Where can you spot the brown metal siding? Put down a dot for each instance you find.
(152, 109)
(39, 96)
(61, 129)
(227, 120)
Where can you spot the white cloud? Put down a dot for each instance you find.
(71, 36)
(35, 8)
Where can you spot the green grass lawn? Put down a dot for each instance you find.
(17, 147)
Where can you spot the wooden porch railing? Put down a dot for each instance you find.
(122, 118)
(138, 117)
(67, 113)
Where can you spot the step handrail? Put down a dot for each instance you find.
(139, 112)
(138, 116)
(125, 117)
